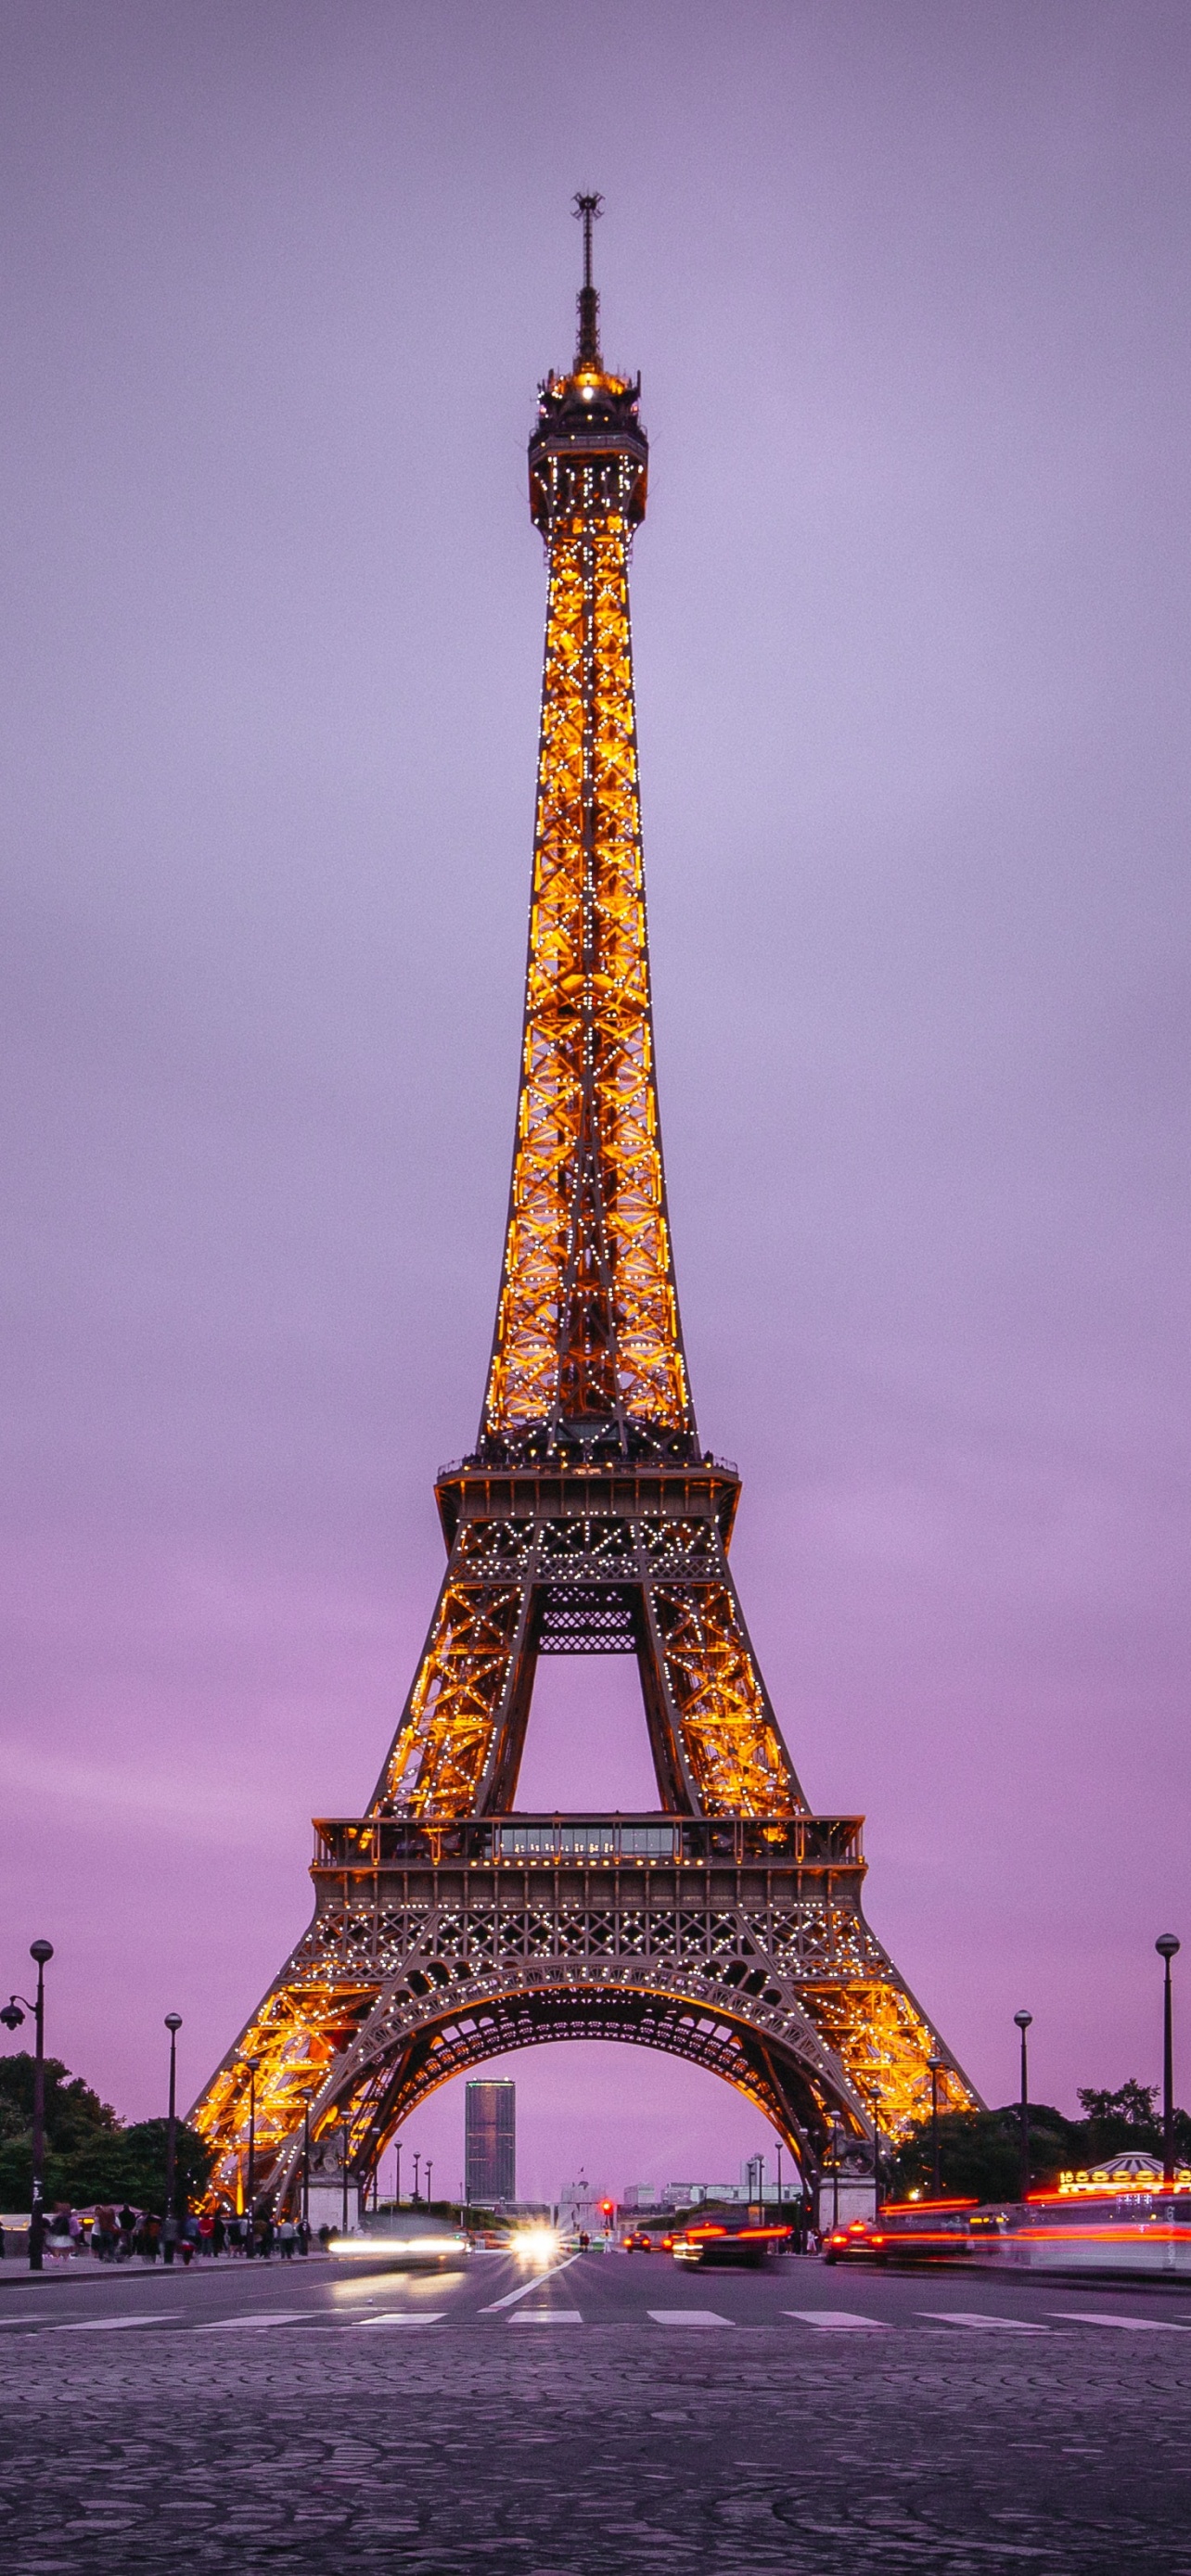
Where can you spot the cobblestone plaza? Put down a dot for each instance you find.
(616, 2415)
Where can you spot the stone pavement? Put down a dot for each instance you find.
(623, 2446)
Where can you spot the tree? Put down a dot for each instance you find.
(1130, 2117)
(980, 2152)
(90, 2154)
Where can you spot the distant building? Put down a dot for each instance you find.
(491, 2144)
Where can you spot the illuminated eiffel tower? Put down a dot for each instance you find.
(726, 1927)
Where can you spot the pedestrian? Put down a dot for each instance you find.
(126, 2230)
(218, 2233)
(206, 2233)
(264, 2236)
(303, 2237)
(59, 2244)
(287, 2238)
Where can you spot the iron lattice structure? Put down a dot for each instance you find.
(728, 1927)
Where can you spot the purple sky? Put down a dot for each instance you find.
(907, 285)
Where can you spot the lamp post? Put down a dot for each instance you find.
(397, 2156)
(306, 2168)
(876, 2152)
(429, 2172)
(173, 2023)
(417, 2162)
(835, 2169)
(12, 2017)
(1023, 2020)
(345, 2147)
(1167, 1947)
(934, 2066)
(778, 2146)
(252, 2064)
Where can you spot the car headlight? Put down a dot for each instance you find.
(536, 2244)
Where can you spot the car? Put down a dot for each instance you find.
(715, 2245)
(924, 2231)
(638, 2242)
(406, 2241)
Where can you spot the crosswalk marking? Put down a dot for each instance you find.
(112, 2325)
(964, 2317)
(546, 2317)
(688, 2317)
(536, 2281)
(1128, 2325)
(843, 2318)
(253, 2325)
(400, 2317)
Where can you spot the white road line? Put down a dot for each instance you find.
(688, 2317)
(254, 2325)
(843, 2318)
(398, 2317)
(536, 2282)
(1128, 2325)
(114, 2325)
(998, 2325)
(546, 2317)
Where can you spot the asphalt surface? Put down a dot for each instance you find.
(617, 2413)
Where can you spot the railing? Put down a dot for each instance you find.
(557, 1842)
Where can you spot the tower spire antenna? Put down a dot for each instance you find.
(588, 209)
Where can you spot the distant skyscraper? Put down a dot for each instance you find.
(491, 2134)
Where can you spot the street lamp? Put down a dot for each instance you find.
(934, 2068)
(173, 2023)
(835, 2130)
(778, 2145)
(397, 2157)
(252, 2064)
(429, 2171)
(1167, 1948)
(12, 2017)
(876, 2152)
(1023, 2020)
(306, 2168)
(417, 2162)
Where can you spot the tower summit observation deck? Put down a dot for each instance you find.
(726, 1926)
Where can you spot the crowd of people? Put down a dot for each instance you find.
(118, 2235)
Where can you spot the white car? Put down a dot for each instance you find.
(407, 2242)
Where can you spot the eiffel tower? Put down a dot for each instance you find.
(725, 1927)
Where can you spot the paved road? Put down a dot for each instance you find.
(619, 2414)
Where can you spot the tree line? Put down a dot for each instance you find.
(91, 2155)
(980, 2151)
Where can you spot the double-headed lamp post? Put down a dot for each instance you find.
(1167, 1946)
(12, 2017)
(935, 2066)
(173, 2023)
(1023, 2020)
